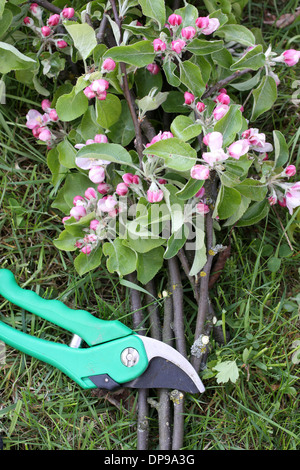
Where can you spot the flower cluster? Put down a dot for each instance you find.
(203, 25)
(48, 32)
(40, 123)
(283, 193)
(222, 101)
(97, 88)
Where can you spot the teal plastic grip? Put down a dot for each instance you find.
(79, 364)
(80, 322)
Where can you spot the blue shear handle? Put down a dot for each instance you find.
(80, 322)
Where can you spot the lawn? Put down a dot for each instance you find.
(256, 299)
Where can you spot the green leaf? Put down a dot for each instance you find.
(229, 202)
(89, 126)
(230, 124)
(111, 152)
(176, 242)
(253, 59)
(190, 189)
(264, 97)
(142, 242)
(274, 264)
(191, 77)
(237, 33)
(227, 370)
(254, 214)
(169, 68)
(245, 201)
(108, 111)
(175, 103)
(57, 169)
(5, 21)
(154, 9)
(12, 59)
(149, 264)
(85, 263)
(200, 256)
(247, 84)
(138, 54)
(281, 149)
(185, 128)
(122, 132)
(189, 14)
(66, 154)
(120, 259)
(177, 154)
(66, 241)
(84, 38)
(75, 184)
(71, 105)
(252, 189)
(203, 47)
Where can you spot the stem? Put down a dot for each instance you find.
(153, 310)
(47, 5)
(185, 266)
(224, 82)
(102, 27)
(143, 410)
(177, 295)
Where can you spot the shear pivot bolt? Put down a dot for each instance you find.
(130, 357)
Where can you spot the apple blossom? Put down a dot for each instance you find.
(107, 203)
(68, 13)
(202, 208)
(200, 106)
(78, 212)
(223, 98)
(90, 193)
(46, 31)
(53, 115)
(153, 69)
(103, 188)
(36, 10)
(121, 189)
(108, 65)
(291, 57)
(238, 148)
(28, 21)
(89, 93)
(220, 111)
(202, 22)
(213, 24)
(129, 178)
(76, 199)
(178, 45)
(188, 32)
(86, 249)
(189, 98)
(61, 44)
(257, 141)
(292, 197)
(214, 140)
(175, 20)
(97, 174)
(159, 45)
(200, 193)
(290, 171)
(94, 224)
(200, 172)
(45, 135)
(53, 20)
(154, 194)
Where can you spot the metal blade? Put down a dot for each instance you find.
(167, 369)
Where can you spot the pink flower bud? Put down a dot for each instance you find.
(53, 115)
(97, 174)
(202, 208)
(188, 32)
(159, 45)
(90, 193)
(282, 202)
(46, 31)
(223, 98)
(155, 196)
(76, 199)
(213, 24)
(100, 139)
(200, 193)
(89, 142)
(200, 106)
(94, 224)
(175, 20)
(77, 212)
(200, 172)
(35, 10)
(89, 93)
(103, 188)
(46, 105)
(178, 45)
(242, 109)
(107, 204)
(28, 21)
(220, 111)
(291, 57)
(272, 200)
(101, 95)
(53, 20)
(189, 98)
(153, 69)
(61, 44)
(127, 178)
(86, 249)
(68, 13)
(64, 219)
(98, 86)
(122, 189)
(214, 140)
(45, 135)
(109, 65)
(290, 170)
(162, 181)
(202, 22)
(238, 148)
(223, 90)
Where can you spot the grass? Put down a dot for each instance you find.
(40, 408)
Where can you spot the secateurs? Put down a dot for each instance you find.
(114, 356)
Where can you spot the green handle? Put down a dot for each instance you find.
(82, 363)
(80, 322)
